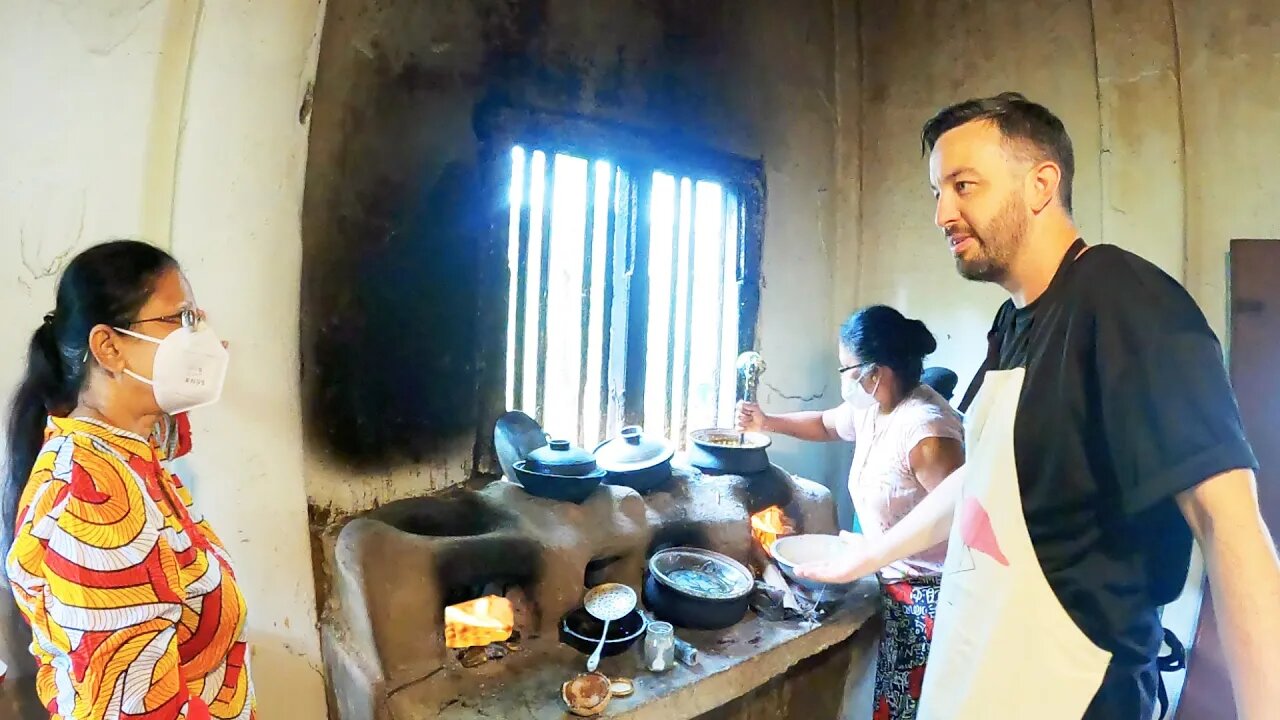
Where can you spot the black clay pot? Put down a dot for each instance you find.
(642, 481)
(635, 460)
(670, 596)
(580, 631)
(722, 451)
(568, 488)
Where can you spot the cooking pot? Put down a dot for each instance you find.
(581, 631)
(697, 589)
(635, 460)
(724, 451)
(560, 457)
(569, 488)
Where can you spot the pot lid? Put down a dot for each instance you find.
(633, 450)
(561, 455)
(515, 435)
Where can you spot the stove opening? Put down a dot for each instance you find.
(456, 515)
(478, 622)
(600, 570)
(678, 535)
(485, 622)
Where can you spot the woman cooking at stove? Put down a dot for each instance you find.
(907, 439)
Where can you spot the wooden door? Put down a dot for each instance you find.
(1255, 373)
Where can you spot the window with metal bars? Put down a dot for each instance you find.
(626, 294)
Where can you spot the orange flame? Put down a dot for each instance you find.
(768, 525)
(478, 622)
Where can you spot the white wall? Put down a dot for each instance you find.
(66, 181)
(177, 121)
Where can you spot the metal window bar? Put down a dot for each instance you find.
(622, 230)
(584, 298)
(520, 280)
(729, 302)
(689, 268)
(544, 289)
(637, 310)
(727, 206)
(677, 231)
(614, 296)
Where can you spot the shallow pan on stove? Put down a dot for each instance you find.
(697, 589)
(580, 631)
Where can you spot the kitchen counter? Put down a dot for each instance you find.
(732, 662)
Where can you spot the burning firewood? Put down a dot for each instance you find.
(478, 622)
(768, 525)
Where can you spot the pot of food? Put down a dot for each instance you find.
(723, 451)
(635, 460)
(697, 589)
(559, 471)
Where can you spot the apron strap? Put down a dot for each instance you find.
(992, 360)
(988, 364)
(1176, 660)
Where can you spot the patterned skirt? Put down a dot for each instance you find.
(910, 606)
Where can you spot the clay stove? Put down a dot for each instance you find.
(397, 568)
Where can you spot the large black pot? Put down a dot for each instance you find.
(713, 607)
(635, 460)
(569, 488)
(722, 451)
(581, 631)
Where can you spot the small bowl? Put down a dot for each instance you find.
(794, 550)
(581, 631)
(587, 695)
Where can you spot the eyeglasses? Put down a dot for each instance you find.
(847, 368)
(186, 317)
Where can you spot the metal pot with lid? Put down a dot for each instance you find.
(635, 460)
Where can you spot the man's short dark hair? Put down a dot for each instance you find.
(1021, 122)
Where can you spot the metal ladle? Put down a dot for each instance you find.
(607, 602)
(750, 367)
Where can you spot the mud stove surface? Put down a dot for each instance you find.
(398, 567)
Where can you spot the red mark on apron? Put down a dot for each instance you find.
(975, 530)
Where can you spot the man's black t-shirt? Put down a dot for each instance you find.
(1126, 403)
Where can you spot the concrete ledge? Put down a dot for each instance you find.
(732, 663)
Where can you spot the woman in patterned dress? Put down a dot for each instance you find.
(907, 439)
(131, 597)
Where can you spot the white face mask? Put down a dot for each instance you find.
(857, 396)
(189, 369)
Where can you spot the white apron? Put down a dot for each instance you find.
(1003, 647)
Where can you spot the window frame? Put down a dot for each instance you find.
(640, 152)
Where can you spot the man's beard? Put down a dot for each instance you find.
(996, 244)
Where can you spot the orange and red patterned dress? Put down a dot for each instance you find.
(131, 597)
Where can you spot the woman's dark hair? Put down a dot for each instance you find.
(881, 335)
(105, 285)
